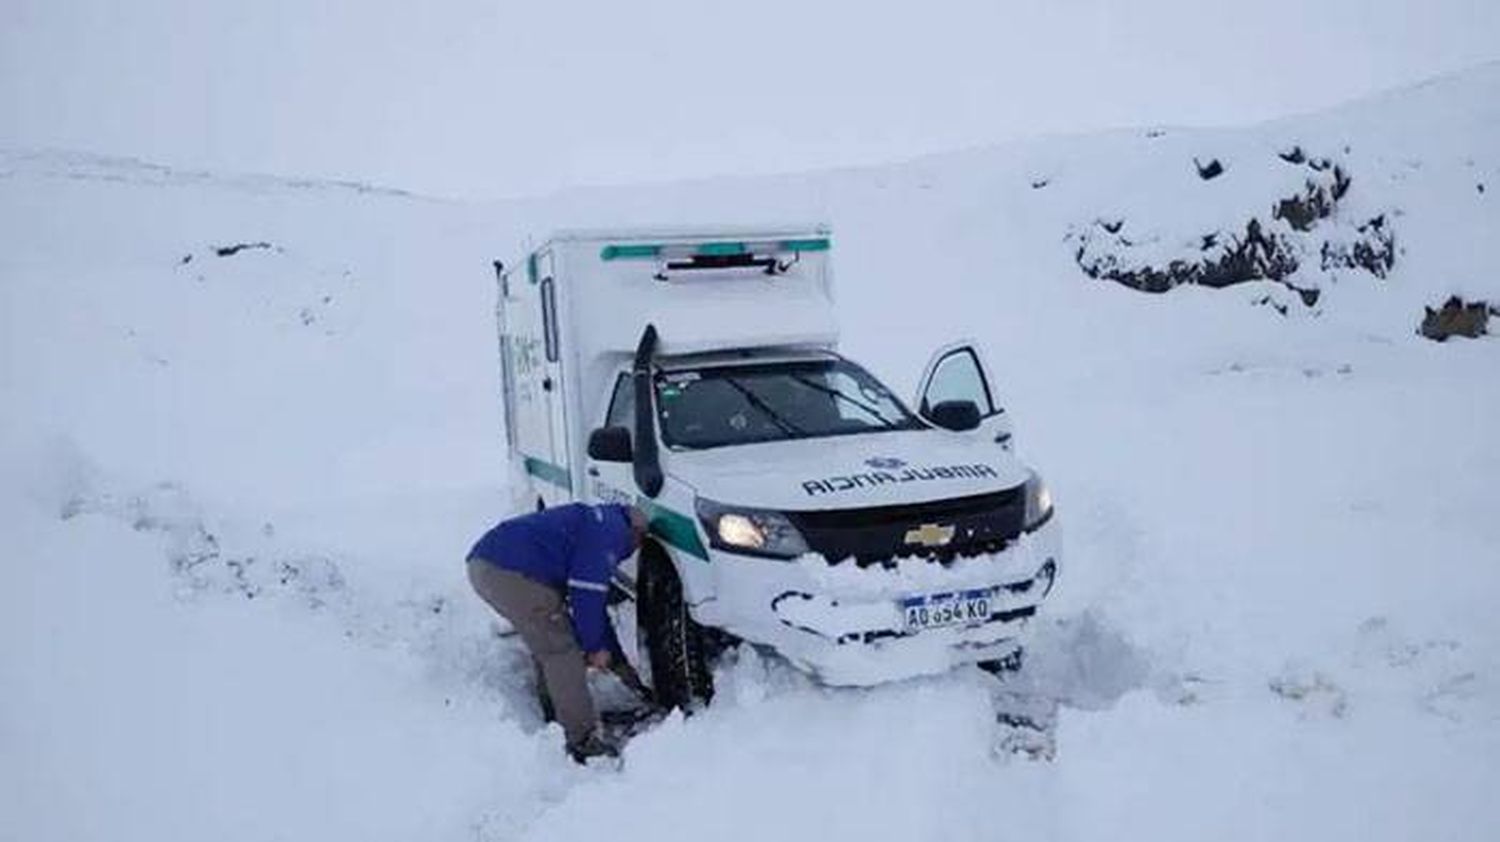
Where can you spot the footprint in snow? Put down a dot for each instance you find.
(1314, 692)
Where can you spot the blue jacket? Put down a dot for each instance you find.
(574, 548)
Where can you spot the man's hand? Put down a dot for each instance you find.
(599, 660)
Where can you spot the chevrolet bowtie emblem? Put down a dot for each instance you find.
(930, 535)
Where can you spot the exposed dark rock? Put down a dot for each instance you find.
(186, 259)
(1341, 182)
(1259, 251)
(1209, 171)
(1375, 224)
(1316, 202)
(1457, 318)
(1253, 256)
(1267, 301)
(1303, 211)
(231, 250)
(1374, 251)
(1039, 183)
(1479, 187)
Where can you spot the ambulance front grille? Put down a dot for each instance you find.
(981, 524)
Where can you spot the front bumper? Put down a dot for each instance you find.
(845, 624)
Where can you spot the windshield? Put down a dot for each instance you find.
(719, 406)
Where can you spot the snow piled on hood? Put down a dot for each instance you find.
(906, 576)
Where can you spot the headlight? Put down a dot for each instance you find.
(1038, 502)
(752, 531)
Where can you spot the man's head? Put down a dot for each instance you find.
(639, 525)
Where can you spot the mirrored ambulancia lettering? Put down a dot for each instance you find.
(830, 485)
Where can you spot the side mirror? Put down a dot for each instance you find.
(610, 444)
(957, 416)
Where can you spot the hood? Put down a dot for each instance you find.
(845, 472)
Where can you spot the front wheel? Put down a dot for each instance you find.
(675, 643)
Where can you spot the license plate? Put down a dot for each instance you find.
(935, 611)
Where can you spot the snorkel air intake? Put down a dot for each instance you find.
(647, 462)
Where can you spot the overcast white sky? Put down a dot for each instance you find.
(494, 97)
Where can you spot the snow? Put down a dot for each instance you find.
(137, 716)
(912, 575)
(233, 605)
(481, 98)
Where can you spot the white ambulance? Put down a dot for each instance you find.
(797, 504)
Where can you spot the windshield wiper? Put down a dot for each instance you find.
(759, 403)
(829, 390)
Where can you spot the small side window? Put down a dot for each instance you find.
(508, 390)
(549, 319)
(958, 377)
(622, 405)
(502, 277)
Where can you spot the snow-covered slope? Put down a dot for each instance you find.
(251, 427)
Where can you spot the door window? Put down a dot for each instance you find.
(958, 377)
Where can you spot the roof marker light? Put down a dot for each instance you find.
(721, 249)
(653, 251)
(632, 251)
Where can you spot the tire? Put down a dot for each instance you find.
(677, 646)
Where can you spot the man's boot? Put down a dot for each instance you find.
(594, 745)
